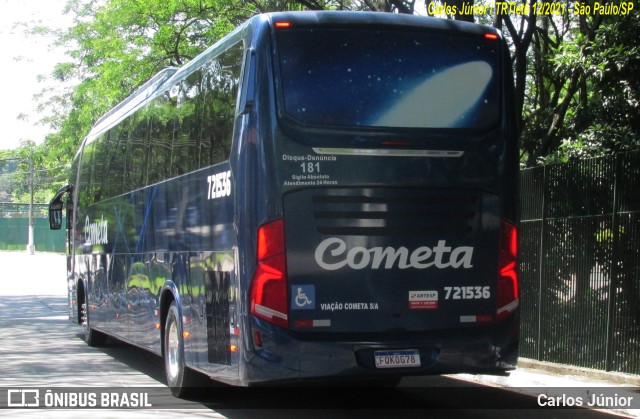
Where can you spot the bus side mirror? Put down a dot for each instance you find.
(55, 215)
(55, 208)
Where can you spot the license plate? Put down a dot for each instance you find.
(397, 359)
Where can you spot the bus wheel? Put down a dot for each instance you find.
(91, 336)
(179, 378)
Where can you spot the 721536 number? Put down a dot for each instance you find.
(467, 293)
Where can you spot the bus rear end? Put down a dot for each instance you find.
(392, 249)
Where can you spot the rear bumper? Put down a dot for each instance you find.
(286, 357)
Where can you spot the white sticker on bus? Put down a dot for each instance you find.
(441, 256)
(423, 300)
(219, 185)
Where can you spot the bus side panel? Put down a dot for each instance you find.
(98, 266)
(72, 309)
(254, 178)
(181, 231)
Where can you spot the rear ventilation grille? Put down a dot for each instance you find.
(394, 212)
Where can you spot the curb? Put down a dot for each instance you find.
(611, 377)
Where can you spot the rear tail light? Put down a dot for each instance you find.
(508, 293)
(269, 287)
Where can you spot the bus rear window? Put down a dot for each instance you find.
(388, 78)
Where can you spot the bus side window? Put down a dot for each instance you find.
(247, 95)
(220, 80)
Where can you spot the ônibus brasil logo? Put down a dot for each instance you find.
(332, 254)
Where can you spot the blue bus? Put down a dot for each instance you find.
(319, 196)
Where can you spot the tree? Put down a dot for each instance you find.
(116, 45)
(582, 98)
(576, 76)
(520, 34)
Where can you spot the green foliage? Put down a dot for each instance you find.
(25, 167)
(114, 46)
(577, 77)
(583, 97)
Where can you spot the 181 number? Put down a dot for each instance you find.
(310, 167)
(467, 293)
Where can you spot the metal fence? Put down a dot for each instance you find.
(580, 263)
(15, 235)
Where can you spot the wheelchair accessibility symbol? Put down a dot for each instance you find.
(303, 297)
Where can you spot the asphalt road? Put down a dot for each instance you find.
(41, 349)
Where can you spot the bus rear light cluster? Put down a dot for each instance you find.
(508, 293)
(269, 287)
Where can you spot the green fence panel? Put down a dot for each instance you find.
(14, 235)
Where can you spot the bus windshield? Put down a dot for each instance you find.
(388, 78)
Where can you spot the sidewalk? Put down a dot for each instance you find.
(532, 377)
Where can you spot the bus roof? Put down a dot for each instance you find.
(340, 18)
(294, 19)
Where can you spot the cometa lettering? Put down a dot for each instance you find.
(332, 254)
(96, 232)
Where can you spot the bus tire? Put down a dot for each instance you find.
(92, 337)
(180, 379)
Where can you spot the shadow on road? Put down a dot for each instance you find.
(435, 396)
(135, 358)
(42, 348)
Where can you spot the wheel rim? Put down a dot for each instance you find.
(173, 346)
